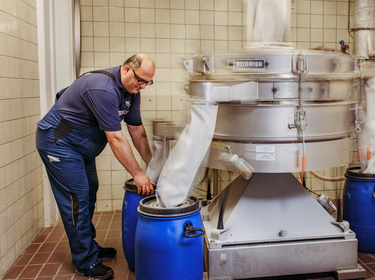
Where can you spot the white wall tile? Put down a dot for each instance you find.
(206, 17)
(163, 31)
(147, 3)
(163, 16)
(178, 31)
(100, 14)
(147, 15)
(177, 16)
(177, 4)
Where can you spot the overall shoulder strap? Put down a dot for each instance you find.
(95, 71)
(101, 72)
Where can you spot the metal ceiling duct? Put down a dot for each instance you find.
(364, 29)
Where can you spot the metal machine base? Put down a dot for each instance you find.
(274, 227)
(356, 273)
(304, 257)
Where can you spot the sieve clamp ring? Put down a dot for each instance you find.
(188, 228)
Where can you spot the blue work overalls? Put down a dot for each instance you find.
(70, 164)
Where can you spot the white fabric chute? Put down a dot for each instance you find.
(266, 20)
(157, 162)
(268, 24)
(366, 140)
(185, 159)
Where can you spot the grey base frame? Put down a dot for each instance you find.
(298, 257)
(271, 226)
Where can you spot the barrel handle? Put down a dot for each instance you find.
(188, 228)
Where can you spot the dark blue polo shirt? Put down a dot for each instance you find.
(95, 99)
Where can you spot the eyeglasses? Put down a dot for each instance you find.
(141, 81)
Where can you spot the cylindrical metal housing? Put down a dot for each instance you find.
(275, 105)
(364, 28)
(364, 14)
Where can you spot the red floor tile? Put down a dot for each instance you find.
(40, 238)
(102, 226)
(47, 247)
(48, 257)
(64, 277)
(33, 248)
(62, 246)
(131, 275)
(58, 257)
(369, 273)
(112, 233)
(55, 236)
(67, 268)
(79, 277)
(101, 233)
(40, 258)
(47, 230)
(371, 267)
(366, 258)
(110, 242)
(49, 270)
(120, 264)
(31, 271)
(24, 259)
(120, 252)
(13, 272)
(59, 228)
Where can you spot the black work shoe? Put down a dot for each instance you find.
(106, 253)
(97, 271)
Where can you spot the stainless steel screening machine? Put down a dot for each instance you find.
(281, 110)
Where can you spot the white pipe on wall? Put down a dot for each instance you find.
(56, 68)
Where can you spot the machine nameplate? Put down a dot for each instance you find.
(249, 63)
(265, 149)
(265, 157)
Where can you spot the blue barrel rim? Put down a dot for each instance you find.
(354, 172)
(131, 186)
(168, 212)
(169, 217)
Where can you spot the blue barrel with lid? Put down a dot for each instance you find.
(359, 207)
(169, 241)
(129, 221)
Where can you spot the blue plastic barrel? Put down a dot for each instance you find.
(129, 221)
(169, 242)
(359, 207)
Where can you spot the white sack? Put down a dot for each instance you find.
(367, 137)
(157, 162)
(186, 157)
(266, 20)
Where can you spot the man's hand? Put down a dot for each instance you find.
(144, 184)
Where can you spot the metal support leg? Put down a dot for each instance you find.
(215, 175)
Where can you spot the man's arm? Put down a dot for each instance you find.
(122, 150)
(140, 141)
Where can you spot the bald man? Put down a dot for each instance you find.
(85, 116)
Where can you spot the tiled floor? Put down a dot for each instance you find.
(48, 256)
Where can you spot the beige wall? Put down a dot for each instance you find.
(321, 23)
(21, 192)
(172, 31)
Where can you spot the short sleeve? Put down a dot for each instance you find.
(133, 117)
(104, 106)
